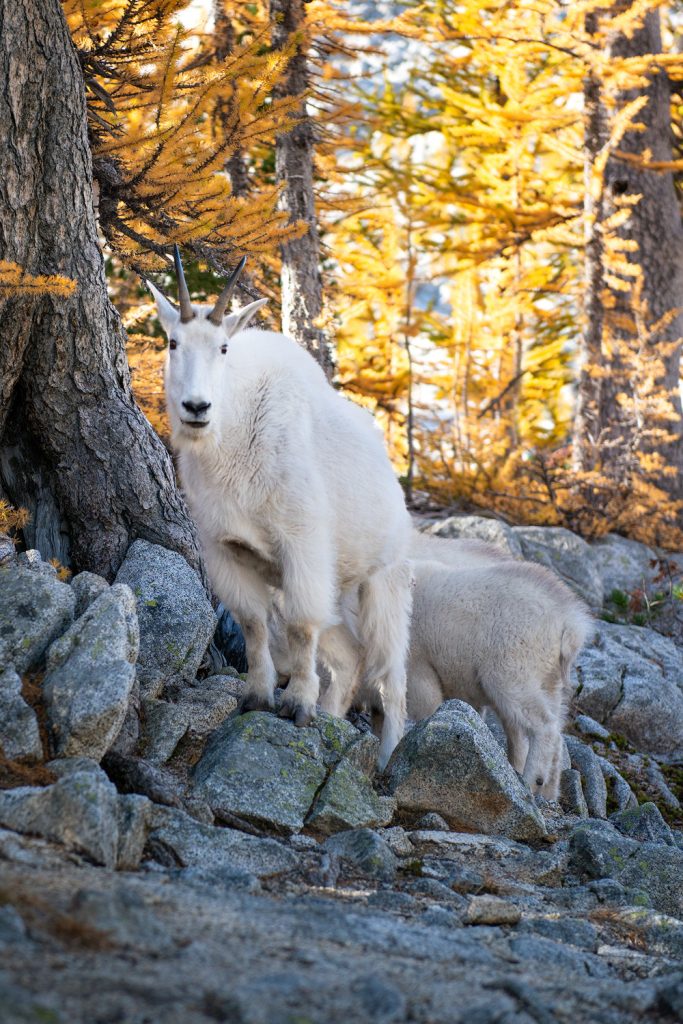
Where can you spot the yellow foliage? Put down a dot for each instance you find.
(460, 252)
(17, 281)
(12, 518)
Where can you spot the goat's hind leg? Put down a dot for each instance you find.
(541, 769)
(261, 674)
(385, 600)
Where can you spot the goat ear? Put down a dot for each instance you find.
(238, 321)
(167, 312)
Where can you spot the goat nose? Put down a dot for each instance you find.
(196, 408)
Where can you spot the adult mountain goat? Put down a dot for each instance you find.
(292, 491)
(487, 630)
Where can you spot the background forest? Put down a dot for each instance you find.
(473, 222)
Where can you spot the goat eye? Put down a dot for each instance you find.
(224, 349)
(173, 343)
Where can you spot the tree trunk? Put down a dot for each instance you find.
(611, 433)
(224, 44)
(302, 300)
(76, 450)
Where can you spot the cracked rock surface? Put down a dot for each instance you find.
(203, 866)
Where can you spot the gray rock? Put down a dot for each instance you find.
(223, 879)
(177, 840)
(588, 727)
(398, 840)
(644, 823)
(22, 1007)
(12, 927)
(163, 726)
(122, 918)
(547, 955)
(432, 822)
(567, 554)
(32, 852)
(631, 680)
(491, 910)
(658, 933)
(261, 769)
(87, 587)
(348, 801)
(62, 767)
(394, 902)
(651, 869)
(572, 799)
(210, 702)
(619, 793)
(79, 811)
(654, 775)
(451, 764)
(586, 761)
(19, 733)
(133, 814)
(493, 531)
(91, 672)
(34, 610)
(365, 851)
(128, 737)
(623, 564)
(573, 931)
(32, 559)
(175, 615)
(135, 775)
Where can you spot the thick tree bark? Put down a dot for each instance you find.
(609, 433)
(302, 296)
(75, 448)
(224, 43)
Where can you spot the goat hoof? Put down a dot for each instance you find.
(254, 702)
(300, 715)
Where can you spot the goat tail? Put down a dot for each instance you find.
(577, 629)
(385, 602)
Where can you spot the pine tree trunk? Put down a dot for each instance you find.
(609, 432)
(302, 299)
(75, 448)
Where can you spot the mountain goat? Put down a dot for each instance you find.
(487, 630)
(291, 488)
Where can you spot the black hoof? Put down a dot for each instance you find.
(299, 715)
(253, 702)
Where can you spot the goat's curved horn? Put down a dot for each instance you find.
(186, 311)
(218, 312)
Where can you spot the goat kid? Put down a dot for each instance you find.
(292, 492)
(487, 630)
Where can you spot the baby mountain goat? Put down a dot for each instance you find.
(487, 630)
(293, 493)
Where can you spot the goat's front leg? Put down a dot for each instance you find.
(302, 690)
(307, 603)
(245, 593)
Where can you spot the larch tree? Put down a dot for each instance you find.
(107, 111)
(302, 295)
(629, 422)
(76, 451)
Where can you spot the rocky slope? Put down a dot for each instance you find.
(162, 858)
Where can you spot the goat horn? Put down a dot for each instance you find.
(218, 312)
(186, 311)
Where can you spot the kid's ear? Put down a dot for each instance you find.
(166, 311)
(235, 322)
